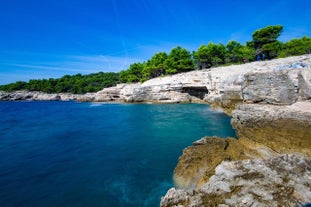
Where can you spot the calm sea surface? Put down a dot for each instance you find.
(86, 154)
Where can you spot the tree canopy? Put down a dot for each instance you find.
(265, 41)
(155, 66)
(78, 84)
(179, 60)
(264, 44)
(297, 46)
(210, 55)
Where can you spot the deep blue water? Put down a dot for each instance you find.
(84, 154)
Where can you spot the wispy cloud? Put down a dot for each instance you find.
(53, 66)
(100, 63)
(16, 66)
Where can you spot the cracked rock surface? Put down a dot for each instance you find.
(279, 181)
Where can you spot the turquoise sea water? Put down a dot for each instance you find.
(85, 154)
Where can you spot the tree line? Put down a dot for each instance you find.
(264, 45)
(77, 84)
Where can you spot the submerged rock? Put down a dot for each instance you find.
(280, 181)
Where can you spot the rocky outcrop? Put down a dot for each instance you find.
(253, 170)
(39, 96)
(222, 87)
(26, 95)
(279, 181)
(285, 129)
(271, 112)
(279, 87)
(198, 162)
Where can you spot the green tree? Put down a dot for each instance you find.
(264, 40)
(210, 55)
(132, 75)
(202, 57)
(271, 50)
(247, 53)
(123, 76)
(179, 60)
(298, 46)
(233, 54)
(155, 66)
(135, 72)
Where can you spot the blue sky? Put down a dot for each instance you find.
(51, 38)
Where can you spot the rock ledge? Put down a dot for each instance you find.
(280, 181)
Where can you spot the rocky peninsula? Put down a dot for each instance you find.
(270, 105)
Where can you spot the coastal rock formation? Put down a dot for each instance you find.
(279, 87)
(40, 96)
(208, 176)
(280, 81)
(26, 95)
(198, 162)
(109, 94)
(285, 129)
(279, 181)
(279, 122)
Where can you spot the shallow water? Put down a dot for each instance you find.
(86, 154)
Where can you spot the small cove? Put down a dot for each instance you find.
(89, 154)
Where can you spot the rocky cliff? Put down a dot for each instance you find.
(269, 164)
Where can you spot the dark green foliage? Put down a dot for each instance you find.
(236, 52)
(19, 85)
(155, 66)
(263, 44)
(265, 41)
(210, 55)
(133, 75)
(179, 60)
(296, 47)
(271, 50)
(267, 35)
(248, 53)
(67, 84)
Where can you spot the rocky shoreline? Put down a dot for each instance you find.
(269, 164)
(278, 82)
(270, 104)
